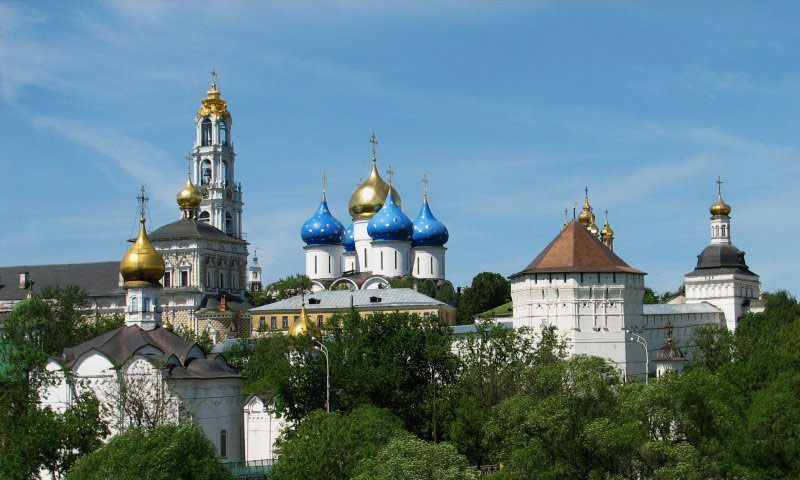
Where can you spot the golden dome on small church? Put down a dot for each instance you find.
(189, 196)
(720, 207)
(586, 217)
(142, 266)
(368, 198)
(607, 232)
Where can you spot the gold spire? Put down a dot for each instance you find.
(368, 198)
(142, 266)
(189, 197)
(213, 105)
(720, 207)
(586, 214)
(303, 325)
(607, 232)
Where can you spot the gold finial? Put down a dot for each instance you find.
(425, 188)
(586, 215)
(374, 141)
(719, 208)
(213, 79)
(390, 173)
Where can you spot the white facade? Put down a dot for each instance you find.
(262, 427)
(391, 258)
(324, 262)
(143, 307)
(730, 292)
(363, 245)
(428, 262)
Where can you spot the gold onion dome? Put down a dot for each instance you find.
(369, 197)
(189, 196)
(586, 217)
(720, 207)
(213, 105)
(607, 232)
(142, 266)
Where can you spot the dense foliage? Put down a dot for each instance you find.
(488, 290)
(281, 289)
(33, 437)
(170, 452)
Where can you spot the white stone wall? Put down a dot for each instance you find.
(324, 262)
(728, 292)
(363, 244)
(262, 427)
(390, 258)
(428, 262)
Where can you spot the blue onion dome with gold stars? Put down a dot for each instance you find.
(390, 223)
(428, 231)
(349, 242)
(323, 228)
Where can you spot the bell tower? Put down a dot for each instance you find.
(213, 165)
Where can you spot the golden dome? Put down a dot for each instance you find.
(607, 232)
(370, 196)
(303, 325)
(142, 266)
(720, 207)
(586, 217)
(189, 196)
(213, 105)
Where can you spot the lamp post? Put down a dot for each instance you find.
(640, 339)
(322, 348)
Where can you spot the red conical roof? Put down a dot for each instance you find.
(576, 250)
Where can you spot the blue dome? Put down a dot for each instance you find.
(349, 242)
(322, 228)
(390, 223)
(428, 231)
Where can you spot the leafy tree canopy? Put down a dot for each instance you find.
(281, 289)
(488, 290)
(167, 453)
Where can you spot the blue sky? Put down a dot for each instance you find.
(510, 108)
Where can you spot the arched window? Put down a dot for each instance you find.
(206, 179)
(134, 304)
(223, 444)
(205, 132)
(223, 133)
(225, 173)
(723, 230)
(204, 217)
(228, 223)
(146, 304)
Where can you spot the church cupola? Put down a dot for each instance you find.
(586, 216)
(390, 223)
(720, 219)
(390, 230)
(142, 268)
(427, 242)
(189, 197)
(369, 197)
(323, 235)
(607, 235)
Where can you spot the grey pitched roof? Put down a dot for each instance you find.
(122, 343)
(99, 279)
(471, 328)
(189, 229)
(340, 300)
(679, 308)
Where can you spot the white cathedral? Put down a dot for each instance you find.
(381, 243)
(595, 300)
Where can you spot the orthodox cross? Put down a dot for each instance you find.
(668, 330)
(390, 172)
(189, 166)
(213, 77)
(255, 255)
(324, 184)
(719, 185)
(425, 185)
(374, 141)
(142, 198)
(586, 191)
(606, 215)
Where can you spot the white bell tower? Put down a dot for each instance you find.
(214, 165)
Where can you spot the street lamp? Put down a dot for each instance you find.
(641, 340)
(319, 346)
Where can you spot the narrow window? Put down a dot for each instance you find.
(146, 304)
(205, 132)
(431, 265)
(284, 322)
(417, 265)
(319, 320)
(262, 323)
(315, 264)
(184, 278)
(395, 259)
(223, 133)
(381, 260)
(221, 280)
(365, 259)
(273, 322)
(167, 280)
(134, 304)
(223, 444)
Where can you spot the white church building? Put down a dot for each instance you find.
(595, 300)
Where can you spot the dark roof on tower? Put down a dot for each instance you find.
(99, 279)
(575, 250)
(721, 258)
(189, 228)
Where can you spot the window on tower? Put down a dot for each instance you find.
(223, 133)
(205, 132)
(206, 173)
(228, 223)
(204, 217)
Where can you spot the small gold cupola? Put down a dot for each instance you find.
(720, 208)
(586, 217)
(304, 325)
(189, 197)
(142, 266)
(607, 232)
(369, 197)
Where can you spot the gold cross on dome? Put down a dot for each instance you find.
(390, 172)
(142, 198)
(374, 141)
(719, 185)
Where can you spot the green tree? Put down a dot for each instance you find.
(406, 457)
(330, 446)
(281, 289)
(166, 453)
(203, 339)
(488, 290)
